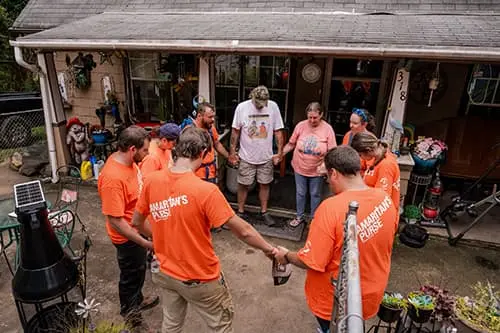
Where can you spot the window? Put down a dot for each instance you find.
(355, 84)
(163, 85)
(256, 70)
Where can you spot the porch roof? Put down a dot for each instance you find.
(451, 37)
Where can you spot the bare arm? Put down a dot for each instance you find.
(284, 257)
(142, 224)
(235, 137)
(288, 148)
(280, 141)
(124, 229)
(245, 232)
(219, 147)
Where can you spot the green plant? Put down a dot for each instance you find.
(483, 310)
(394, 301)
(103, 326)
(421, 301)
(412, 212)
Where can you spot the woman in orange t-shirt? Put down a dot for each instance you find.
(160, 150)
(382, 169)
(361, 121)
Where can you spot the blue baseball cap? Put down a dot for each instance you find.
(170, 131)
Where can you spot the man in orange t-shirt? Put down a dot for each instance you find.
(183, 209)
(160, 151)
(322, 252)
(119, 185)
(205, 119)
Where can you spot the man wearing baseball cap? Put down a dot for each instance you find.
(160, 150)
(256, 122)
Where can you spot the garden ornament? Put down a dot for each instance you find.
(77, 140)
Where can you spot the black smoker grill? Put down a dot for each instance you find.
(48, 284)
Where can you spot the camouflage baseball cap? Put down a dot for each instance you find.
(260, 96)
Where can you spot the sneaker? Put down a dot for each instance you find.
(267, 219)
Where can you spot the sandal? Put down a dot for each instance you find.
(296, 222)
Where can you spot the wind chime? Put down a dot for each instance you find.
(433, 84)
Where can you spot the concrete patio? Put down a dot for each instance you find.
(260, 307)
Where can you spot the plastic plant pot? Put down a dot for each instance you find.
(419, 316)
(388, 314)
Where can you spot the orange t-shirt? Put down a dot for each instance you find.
(385, 175)
(202, 172)
(323, 249)
(183, 208)
(119, 187)
(157, 159)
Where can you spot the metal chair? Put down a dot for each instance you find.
(64, 213)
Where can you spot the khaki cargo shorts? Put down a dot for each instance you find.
(247, 173)
(211, 300)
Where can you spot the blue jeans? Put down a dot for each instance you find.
(302, 184)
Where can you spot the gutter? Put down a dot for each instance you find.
(491, 54)
(44, 86)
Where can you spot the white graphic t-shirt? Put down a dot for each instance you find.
(257, 128)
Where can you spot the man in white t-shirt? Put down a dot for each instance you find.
(255, 123)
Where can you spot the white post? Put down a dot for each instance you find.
(204, 79)
(47, 112)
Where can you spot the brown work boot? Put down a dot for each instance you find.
(148, 302)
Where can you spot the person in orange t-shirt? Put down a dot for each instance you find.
(322, 252)
(205, 119)
(382, 169)
(183, 209)
(361, 121)
(160, 151)
(119, 185)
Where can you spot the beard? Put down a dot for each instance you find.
(138, 158)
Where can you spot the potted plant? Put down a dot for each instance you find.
(412, 214)
(391, 307)
(420, 306)
(480, 313)
(444, 303)
(426, 152)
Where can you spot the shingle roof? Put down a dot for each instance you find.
(43, 14)
(217, 31)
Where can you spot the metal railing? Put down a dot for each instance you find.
(347, 313)
(21, 130)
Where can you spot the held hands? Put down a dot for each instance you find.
(233, 159)
(280, 255)
(277, 159)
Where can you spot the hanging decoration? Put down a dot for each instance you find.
(433, 84)
(80, 69)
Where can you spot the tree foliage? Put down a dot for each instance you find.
(12, 76)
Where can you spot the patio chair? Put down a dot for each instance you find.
(64, 213)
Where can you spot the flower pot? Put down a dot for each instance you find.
(388, 314)
(423, 166)
(420, 316)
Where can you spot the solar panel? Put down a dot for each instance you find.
(27, 194)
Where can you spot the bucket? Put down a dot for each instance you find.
(232, 179)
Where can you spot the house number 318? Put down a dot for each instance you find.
(400, 79)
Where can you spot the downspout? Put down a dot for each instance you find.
(42, 72)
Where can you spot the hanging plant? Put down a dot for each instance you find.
(80, 69)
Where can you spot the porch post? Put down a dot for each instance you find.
(57, 112)
(397, 104)
(204, 79)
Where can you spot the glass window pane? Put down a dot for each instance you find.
(226, 100)
(227, 70)
(251, 72)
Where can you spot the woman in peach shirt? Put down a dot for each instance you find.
(361, 121)
(311, 140)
